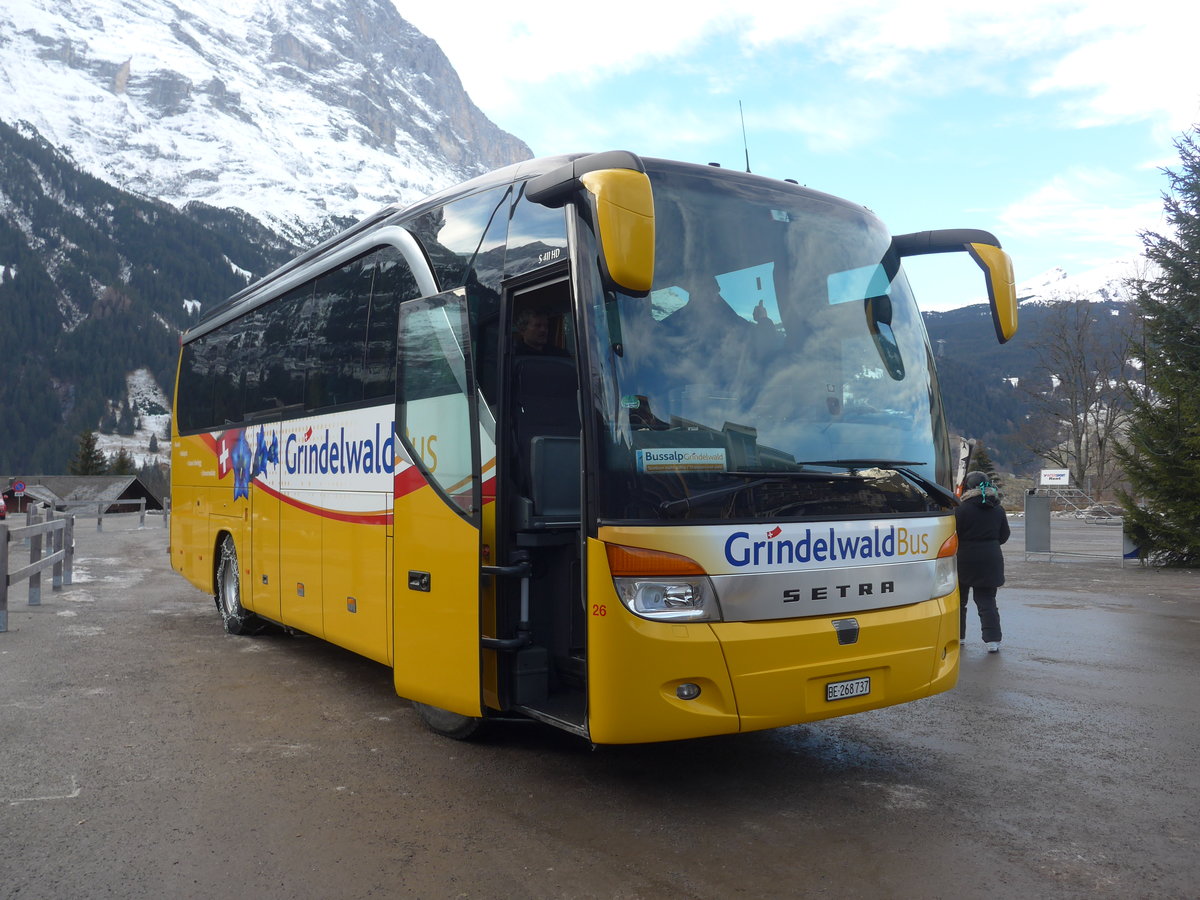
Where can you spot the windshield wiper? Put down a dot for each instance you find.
(855, 464)
(761, 478)
(903, 467)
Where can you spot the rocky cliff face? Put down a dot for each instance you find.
(292, 110)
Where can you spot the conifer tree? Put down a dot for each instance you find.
(88, 459)
(121, 463)
(1161, 454)
(981, 462)
(125, 421)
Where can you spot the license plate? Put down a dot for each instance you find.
(841, 690)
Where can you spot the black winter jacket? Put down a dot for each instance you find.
(982, 528)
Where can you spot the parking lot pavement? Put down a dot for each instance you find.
(145, 753)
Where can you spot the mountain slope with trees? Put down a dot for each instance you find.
(990, 390)
(95, 283)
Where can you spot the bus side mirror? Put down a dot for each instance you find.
(623, 202)
(624, 207)
(985, 250)
(1002, 292)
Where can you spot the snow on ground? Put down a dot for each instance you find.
(152, 407)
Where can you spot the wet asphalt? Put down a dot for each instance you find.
(144, 753)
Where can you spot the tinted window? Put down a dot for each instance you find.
(286, 355)
(338, 314)
(465, 239)
(254, 351)
(327, 343)
(228, 374)
(537, 237)
(392, 283)
(195, 399)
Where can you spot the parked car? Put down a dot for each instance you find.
(3, 509)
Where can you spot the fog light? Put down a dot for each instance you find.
(687, 691)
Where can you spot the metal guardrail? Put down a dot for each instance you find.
(56, 537)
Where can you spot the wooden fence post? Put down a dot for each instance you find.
(56, 545)
(69, 547)
(35, 555)
(3, 577)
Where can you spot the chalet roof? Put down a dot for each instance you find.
(59, 489)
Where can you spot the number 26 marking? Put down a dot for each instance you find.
(599, 609)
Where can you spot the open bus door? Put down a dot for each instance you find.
(438, 513)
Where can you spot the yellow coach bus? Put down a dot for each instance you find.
(640, 449)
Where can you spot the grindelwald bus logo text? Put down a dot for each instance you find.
(337, 453)
(823, 545)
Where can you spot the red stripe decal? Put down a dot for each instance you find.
(368, 518)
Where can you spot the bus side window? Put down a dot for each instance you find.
(195, 411)
(286, 359)
(464, 239)
(228, 375)
(392, 282)
(537, 236)
(336, 344)
(253, 352)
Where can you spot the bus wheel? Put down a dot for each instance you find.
(449, 724)
(229, 593)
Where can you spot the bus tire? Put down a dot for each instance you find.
(449, 724)
(228, 595)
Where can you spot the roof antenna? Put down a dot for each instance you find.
(744, 144)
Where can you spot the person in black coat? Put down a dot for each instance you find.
(982, 528)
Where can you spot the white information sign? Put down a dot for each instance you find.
(1055, 478)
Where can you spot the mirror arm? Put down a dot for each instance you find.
(554, 188)
(949, 240)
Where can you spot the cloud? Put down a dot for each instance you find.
(501, 51)
(827, 126)
(1132, 68)
(1067, 209)
(1103, 61)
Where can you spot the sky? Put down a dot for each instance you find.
(1047, 123)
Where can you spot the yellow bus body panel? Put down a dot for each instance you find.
(752, 675)
(202, 511)
(261, 593)
(635, 666)
(780, 668)
(356, 604)
(436, 632)
(301, 566)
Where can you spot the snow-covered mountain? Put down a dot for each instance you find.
(292, 110)
(1106, 282)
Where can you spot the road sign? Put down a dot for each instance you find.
(18, 488)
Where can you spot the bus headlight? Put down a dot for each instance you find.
(691, 600)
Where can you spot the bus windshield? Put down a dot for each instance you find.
(778, 368)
